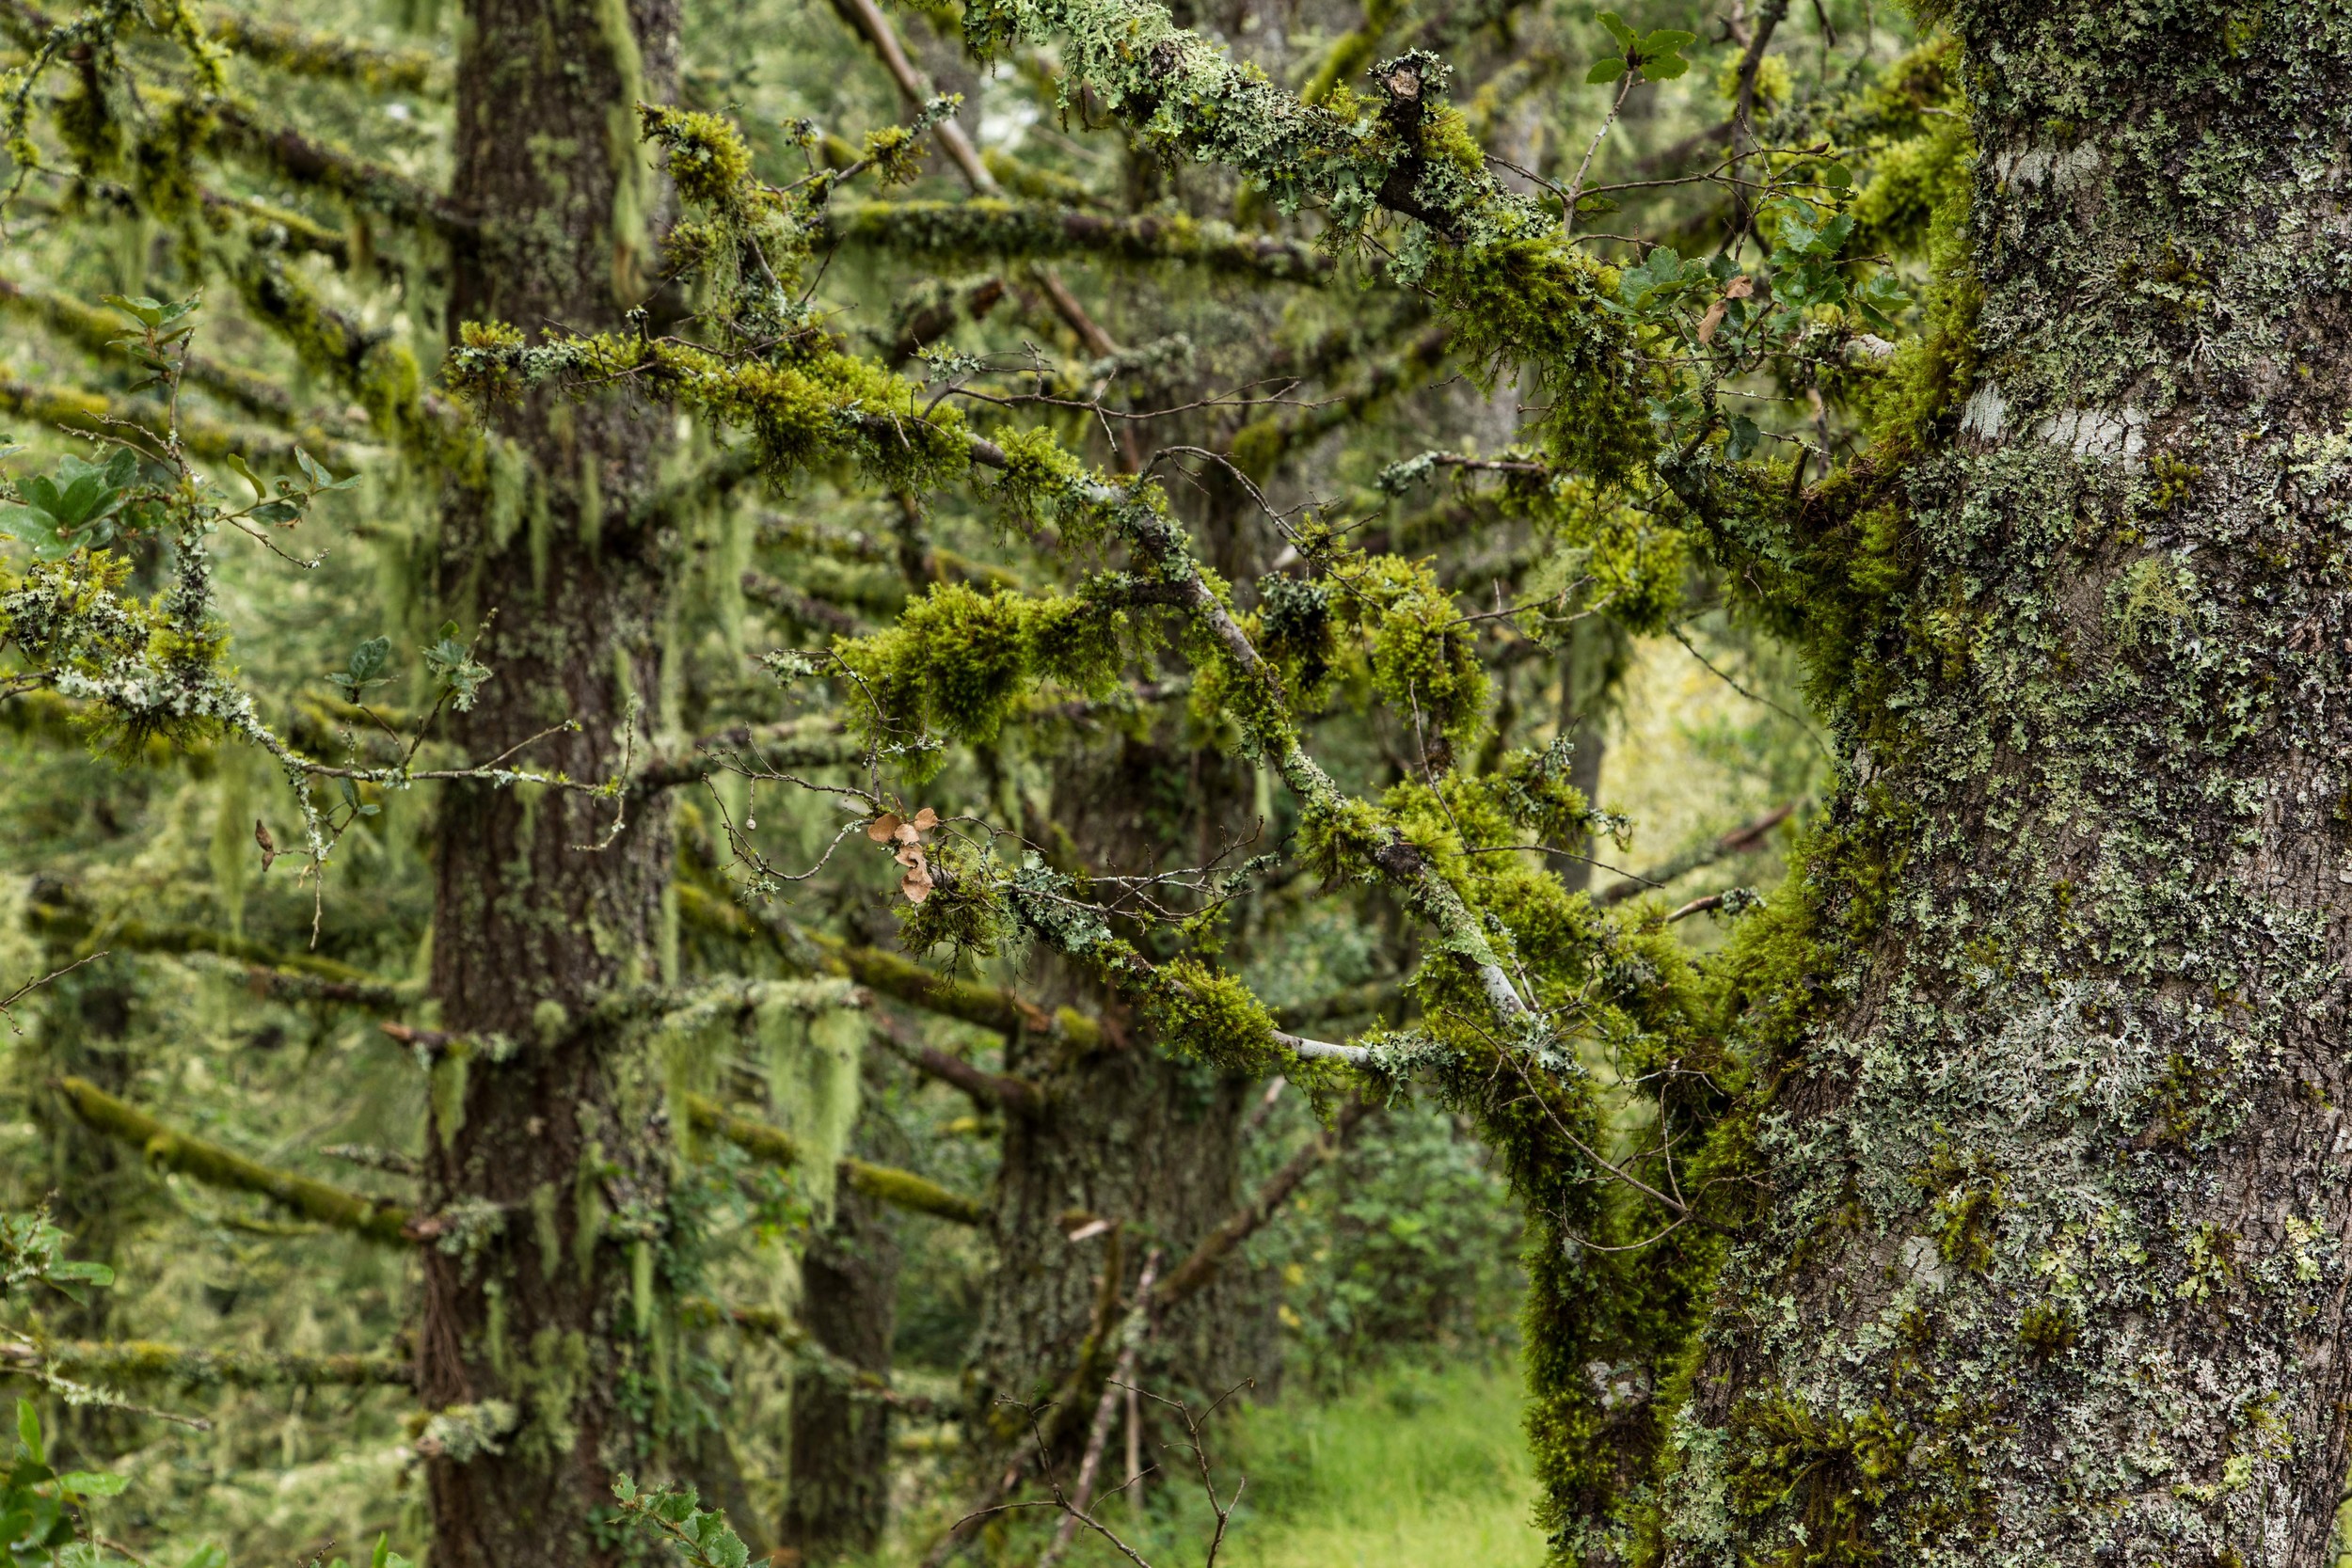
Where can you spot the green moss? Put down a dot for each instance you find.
(447, 1096)
(553, 1380)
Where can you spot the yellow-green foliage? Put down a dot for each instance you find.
(959, 660)
(1635, 560)
(1038, 480)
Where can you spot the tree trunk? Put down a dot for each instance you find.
(548, 1166)
(1592, 663)
(1122, 1134)
(2055, 1266)
(839, 1501)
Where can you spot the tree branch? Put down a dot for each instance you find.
(1737, 841)
(1023, 231)
(901, 1189)
(377, 1219)
(1201, 1267)
(299, 52)
(71, 922)
(149, 1361)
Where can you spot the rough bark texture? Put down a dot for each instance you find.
(839, 1503)
(2055, 1269)
(548, 1301)
(1122, 1134)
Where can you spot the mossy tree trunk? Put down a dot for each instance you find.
(2055, 1268)
(550, 1161)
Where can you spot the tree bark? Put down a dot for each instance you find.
(2055, 1267)
(1122, 1134)
(839, 1501)
(549, 1162)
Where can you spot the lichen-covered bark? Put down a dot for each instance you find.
(2054, 1271)
(551, 1155)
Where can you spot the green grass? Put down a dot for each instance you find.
(1427, 1468)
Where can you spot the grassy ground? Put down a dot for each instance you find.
(1422, 1468)
(1415, 1467)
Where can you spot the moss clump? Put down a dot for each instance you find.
(1212, 1016)
(706, 155)
(959, 660)
(1425, 656)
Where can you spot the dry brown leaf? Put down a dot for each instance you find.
(1739, 288)
(926, 819)
(269, 845)
(882, 827)
(916, 884)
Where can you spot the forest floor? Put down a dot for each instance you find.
(1411, 1466)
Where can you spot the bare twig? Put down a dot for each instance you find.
(1132, 1335)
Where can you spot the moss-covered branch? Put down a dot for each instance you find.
(248, 132)
(214, 1165)
(901, 1189)
(373, 368)
(902, 979)
(135, 1361)
(68, 922)
(1027, 231)
(1182, 92)
(100, 333)
(93, 413)
(299, 52)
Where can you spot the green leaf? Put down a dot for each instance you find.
(28, 1432)
(276, 512)
(450, 664)
(98, 1275)
(310, 467)
(1666, 40)
(368, 659)
(1744, 438)
(90, 1483)
(1837, 176)
(150, 313)
(261, 491)
(1666, 68)
(1607, 69)
(1618, 29)
(122, 469)
(36, 528)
